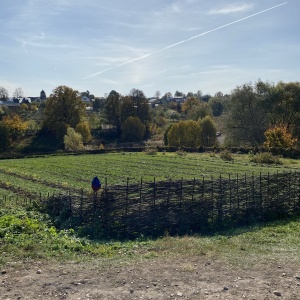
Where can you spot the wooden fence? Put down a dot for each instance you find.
(181, 206)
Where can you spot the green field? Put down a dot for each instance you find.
(31, 177)
(28, 234)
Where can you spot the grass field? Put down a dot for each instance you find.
(29, 235)
(31, 177)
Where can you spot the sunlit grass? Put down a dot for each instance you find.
(30, 235)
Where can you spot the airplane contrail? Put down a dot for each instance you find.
(183, 41)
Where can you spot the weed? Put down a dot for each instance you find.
(265, 158)
(226, 155)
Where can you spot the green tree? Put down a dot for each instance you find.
(113, 109)
(208, 132)
(73, 140)
(244, 117)
(99, 104)
(216, 104)
(127, 109)
(64, 108)
(133, 129)
(199, 111)
(5, 138)
(140, 104)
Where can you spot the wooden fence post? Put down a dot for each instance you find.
(141, 187)
(81, 206)
(230, 194)
(193, 191)
(237, 192)
(168, 197)
(246, 191)
(154, 192)
(220, 202)
(126, 199)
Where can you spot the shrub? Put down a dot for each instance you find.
(73, 140)
(181, 153)
(84, 129)
(265, 158)
(226, 155)
(151, 151)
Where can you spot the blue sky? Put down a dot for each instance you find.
(151, 45)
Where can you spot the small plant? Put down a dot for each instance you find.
(265, 158)
(226, 155)
(181, 153)
(151, 151)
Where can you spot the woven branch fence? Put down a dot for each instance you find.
(181, 206)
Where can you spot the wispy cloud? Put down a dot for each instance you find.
(181, 42)
(232, 8)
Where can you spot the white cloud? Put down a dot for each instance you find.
(232, 8)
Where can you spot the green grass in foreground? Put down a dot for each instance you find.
(28, 234)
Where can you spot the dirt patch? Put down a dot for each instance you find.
(157, 278)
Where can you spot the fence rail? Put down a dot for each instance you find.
(181, 206)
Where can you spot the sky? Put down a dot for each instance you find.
(150, 45)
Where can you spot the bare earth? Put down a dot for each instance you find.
(157, 278)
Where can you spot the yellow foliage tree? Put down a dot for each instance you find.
(279, 137)
(184, 134)
(84, 129)
(15, 125)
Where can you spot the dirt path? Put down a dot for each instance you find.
(197, 278)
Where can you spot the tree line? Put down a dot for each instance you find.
(253, 114)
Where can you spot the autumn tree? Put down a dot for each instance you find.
(199, 111)
(73, 140)
(64, 108)
(184, 134)
(190, 103)
(84, 129)
(283, 105)
(16, 126)
(279, 137)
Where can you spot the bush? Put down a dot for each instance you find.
(73, 140)
(265, 158)
(151, 151)
(226, 155)
(84, 129)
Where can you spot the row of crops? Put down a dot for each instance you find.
(33, 177)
